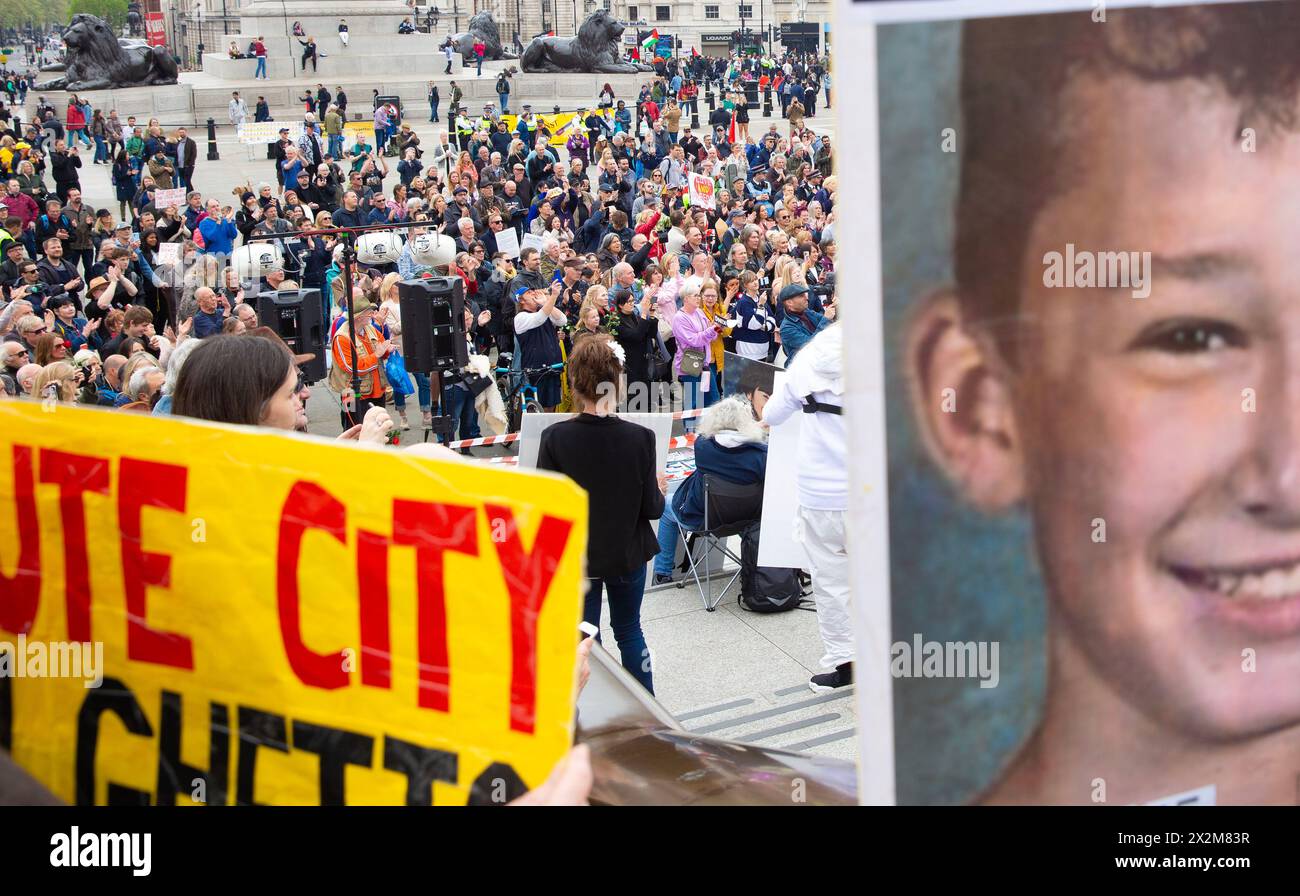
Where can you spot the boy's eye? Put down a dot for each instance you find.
(1183, 337)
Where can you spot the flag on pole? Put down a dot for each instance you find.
(731, 131)
(649, 43)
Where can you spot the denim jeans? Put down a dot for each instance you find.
(668, 535)
(101, 150)
(459, 405)
(433, 111)
(505, 103)
(422, 391)
(260, 71)
(625, 593)
(336, 145)
(693, 398)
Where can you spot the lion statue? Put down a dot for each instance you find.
(596, 50)
(95, 60)
(481, 27)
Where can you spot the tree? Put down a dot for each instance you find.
(111, 11)
(20, 13)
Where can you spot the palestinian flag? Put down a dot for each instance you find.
(731, 131)
(649, 43)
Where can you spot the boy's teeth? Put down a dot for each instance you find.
(1275, 583)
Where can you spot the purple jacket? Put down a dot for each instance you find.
(692, 331)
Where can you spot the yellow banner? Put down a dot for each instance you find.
(279, 619)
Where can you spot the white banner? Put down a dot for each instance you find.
(268, 131)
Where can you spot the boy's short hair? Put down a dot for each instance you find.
(1016, 130)
(137, 314)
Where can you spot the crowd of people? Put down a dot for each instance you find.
(585, 258)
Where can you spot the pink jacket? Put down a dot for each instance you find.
(692, 331)
(666, 298)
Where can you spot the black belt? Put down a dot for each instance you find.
(812, 406)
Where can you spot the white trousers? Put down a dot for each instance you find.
(821, 532)
(343, 38)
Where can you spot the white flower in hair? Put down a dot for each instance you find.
(618, 353)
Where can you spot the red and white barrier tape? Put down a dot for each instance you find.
(485, 440)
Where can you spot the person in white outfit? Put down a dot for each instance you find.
(813, 387)
(343, 32)
(238, 111)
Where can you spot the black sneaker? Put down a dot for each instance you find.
(832, 681)
(662, 579)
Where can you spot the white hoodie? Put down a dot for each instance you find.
(823, 450)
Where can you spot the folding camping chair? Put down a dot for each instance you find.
(729, 509)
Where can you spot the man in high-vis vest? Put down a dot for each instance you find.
(371, 349)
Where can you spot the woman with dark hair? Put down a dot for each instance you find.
(240, 379)
(614, 461)
(636, 334)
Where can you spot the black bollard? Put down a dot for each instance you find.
(708, 98)
(695, 118)
(767, 103)
(212, 141)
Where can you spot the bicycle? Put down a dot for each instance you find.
(519, 392)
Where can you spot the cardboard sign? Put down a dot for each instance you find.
(167, 198)
(701, 188)
(352, 626)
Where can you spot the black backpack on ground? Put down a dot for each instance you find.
(766, 589)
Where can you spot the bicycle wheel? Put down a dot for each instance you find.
(515, 413)
(532, 406)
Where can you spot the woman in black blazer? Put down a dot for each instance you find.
(614, 461)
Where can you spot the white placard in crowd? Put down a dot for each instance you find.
(534, 241)
(508, 242)
(702, 191)
(530, 434)
(169, 253)
(167, 198)
(776, 544)
(268, 131)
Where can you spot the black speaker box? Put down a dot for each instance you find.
(433, 323)
(296, 315)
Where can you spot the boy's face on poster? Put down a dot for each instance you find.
(1172, 420)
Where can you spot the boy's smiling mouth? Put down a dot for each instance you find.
(1265, 580)
(1261, 598)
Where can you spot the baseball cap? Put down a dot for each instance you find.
(459, 190)
(519, 293)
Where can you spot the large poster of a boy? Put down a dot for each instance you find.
(1091, 297)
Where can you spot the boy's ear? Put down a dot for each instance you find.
(962, 402)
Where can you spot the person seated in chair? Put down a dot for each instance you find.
(729, 444)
